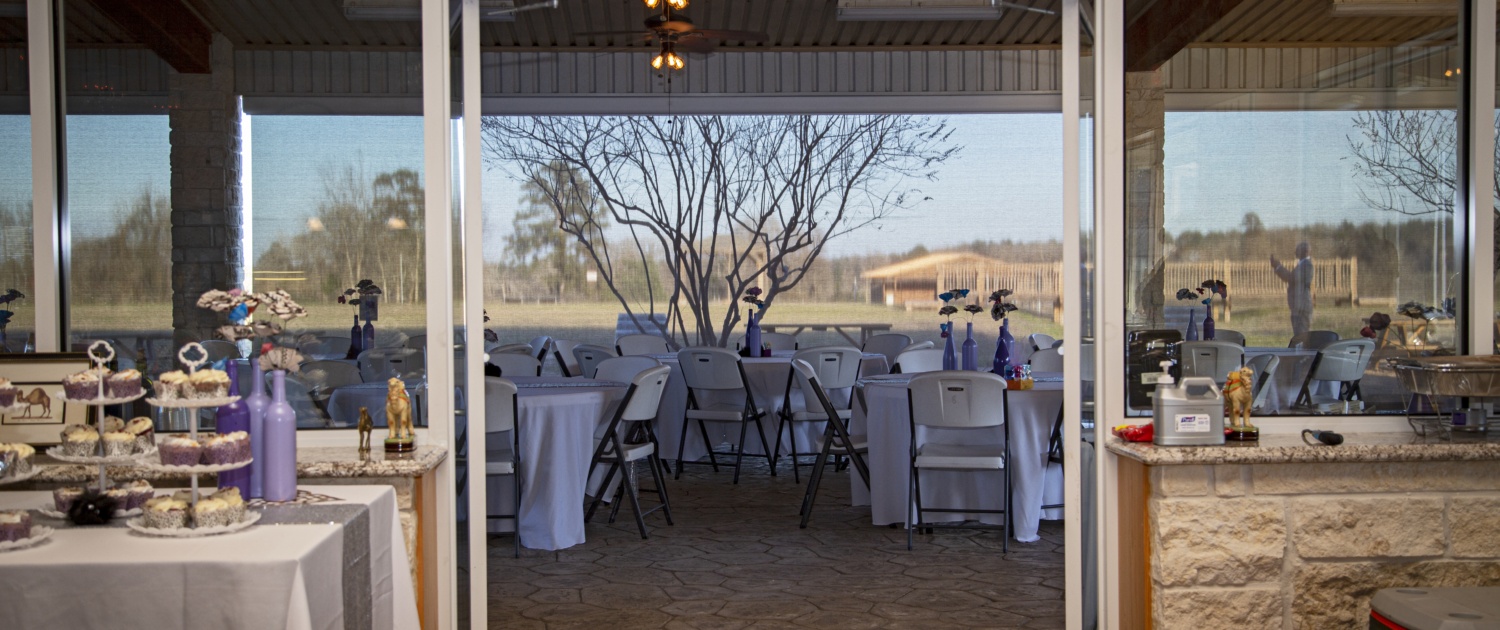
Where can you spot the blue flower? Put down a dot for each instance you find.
(946, 296)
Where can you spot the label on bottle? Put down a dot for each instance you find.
(1193, 422)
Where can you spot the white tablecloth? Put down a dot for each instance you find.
(1030, 417)
(767, 376)
(344, 402)
(557, 442)
(269, 576)
(1287, 381)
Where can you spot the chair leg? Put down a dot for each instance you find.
(814, 481)
(761, 431)
(776, 456)
(682, 446)
(739, 453)
(603, 487)
(911, 500)
(712, 459)
(632, 494)
(517, 512)
(791, 435)
(661, 486)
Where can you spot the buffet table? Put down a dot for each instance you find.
(336, 564)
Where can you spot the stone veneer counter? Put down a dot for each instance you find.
(1290, 449)
(313, 462)
(1282, 534)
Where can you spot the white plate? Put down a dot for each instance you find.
(48, 511)
(193, 403)
(99, 401)
(198, 468)
(17, 478)
(139, 524)
(57, 453)
(39, 533)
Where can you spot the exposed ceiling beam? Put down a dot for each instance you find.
(168, 27)
(1167, 27)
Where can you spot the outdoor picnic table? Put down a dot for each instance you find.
(865, 330)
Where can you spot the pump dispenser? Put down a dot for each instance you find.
(1187, 414)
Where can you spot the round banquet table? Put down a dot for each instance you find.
(558, 418)
(768, 378)
(1030, 415)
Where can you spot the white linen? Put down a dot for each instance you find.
(277, 576)
(1030, 416)
(556, 445)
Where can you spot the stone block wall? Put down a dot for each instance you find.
(1307, 545)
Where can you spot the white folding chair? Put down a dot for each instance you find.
(1231, 336)
(1342, 361)
(326, 345)
(641, 344)
(503, 459)
(588, 358)
(955, 400)
(1046, 360)
(513, 364)
(1214, 359)
(1313, 339)
(920, 360)
(562, 352)
(1040, 341)
(624, 369)
(888, 344)
(836, 439)
(326, 375)
(379, 364)
(836, 368)
(1265, 369)
(416, 342)
(778, 341)
(629, 438)
(300, 395)
(508, 348)
(540, 346)
(713, 370)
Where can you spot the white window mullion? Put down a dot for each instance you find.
(47, 106)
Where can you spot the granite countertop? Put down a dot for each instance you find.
(1290, 449)
(312, 462)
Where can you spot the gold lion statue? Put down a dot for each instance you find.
(398, 411)
(1239, 397)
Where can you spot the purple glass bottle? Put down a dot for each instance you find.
(281, 443)
(369, 335)
(233, 417)
(1208, 323)
(971, 351)
(950, 357)
(257, 403)
(356, 340)
(1003, 345)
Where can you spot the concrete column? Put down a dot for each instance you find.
(207, 207)
(1145, 201)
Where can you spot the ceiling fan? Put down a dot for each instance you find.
(676, 33)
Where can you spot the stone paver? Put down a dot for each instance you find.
(736, 560)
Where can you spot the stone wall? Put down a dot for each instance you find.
(1307, 545)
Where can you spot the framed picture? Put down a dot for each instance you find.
(39, 376)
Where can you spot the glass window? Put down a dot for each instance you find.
(17, 314)
(1296, 197)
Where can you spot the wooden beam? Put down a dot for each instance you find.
(171, 30)
(1167, 27)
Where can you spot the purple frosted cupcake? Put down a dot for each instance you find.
(228, 448)
(121, 498)
(180, 451)
(82, 385)
(8, 393)
(15, 525)
(138, 493)
(64, 498)
(123, 384)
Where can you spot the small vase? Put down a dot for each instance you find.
(1192, 327)
(1003, 345)
(369, 335)
(281, 443)
(230, 418)
(356, 340)
(950, 358)
(752, 335)
(257, 403)
(971, 350)
(1208, 323)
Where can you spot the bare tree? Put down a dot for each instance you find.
(729, 202)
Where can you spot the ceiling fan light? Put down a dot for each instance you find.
(676, 4)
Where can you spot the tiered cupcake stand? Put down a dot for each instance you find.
(39, 533)
(194, 356)
(100, 353)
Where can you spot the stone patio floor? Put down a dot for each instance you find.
(736, 559)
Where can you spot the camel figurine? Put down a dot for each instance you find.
(1239, 397)
(398, 417)
(366, 425)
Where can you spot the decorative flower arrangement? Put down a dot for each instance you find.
(949, 309)
(1000, 308)
(1378, 321)
(1205, 291)
(490, 336)
(361, 290)
(752, 296)
(10, 295)
(240, 305)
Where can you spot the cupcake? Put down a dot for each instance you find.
(8, 393)
(172, 385)
(180, 451)
(82, 385)
(236, 504)
(208, 384)
(120, 496)
(211, 513)
(111, 423)
(227, 448)
(144, 432)
(64, 498)
(118, 444)
(139, 492)
(15, 525)
(185, 496)
(24, 457)
(123, 384)
(81, 443)
(165, 513)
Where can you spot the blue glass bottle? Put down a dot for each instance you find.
(950, 357)
(1003, 346)
(971, 351)
(356, 340)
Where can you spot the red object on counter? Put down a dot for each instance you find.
(1135, 432)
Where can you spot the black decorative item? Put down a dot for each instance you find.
(93, 508)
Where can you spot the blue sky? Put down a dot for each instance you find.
(1289, 167)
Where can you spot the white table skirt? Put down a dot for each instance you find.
(558, 426)
(887, 423)
(767, 376)
(276, 576)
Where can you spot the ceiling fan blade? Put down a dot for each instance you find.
(591, 33)
(695, 44)
(743, 36)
